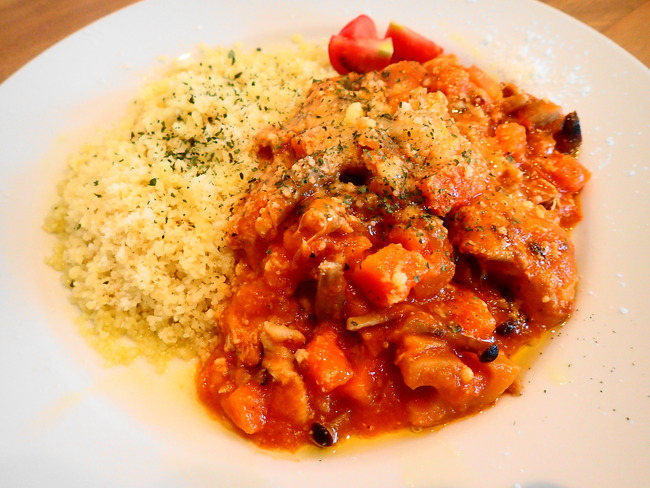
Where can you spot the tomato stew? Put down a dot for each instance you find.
(409, 233)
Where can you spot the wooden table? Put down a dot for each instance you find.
(28, 27)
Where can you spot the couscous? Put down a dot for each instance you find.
(141, 219)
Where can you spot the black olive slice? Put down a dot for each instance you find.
(569, 138)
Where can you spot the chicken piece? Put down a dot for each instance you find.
(311, 150)
(388, 168)
(517, 242)
(242, 330)
(441, 327)
(324, 215)
(280, 362)
(425, 360)
(357, 124)
(447, 171)
(460, 380)
(456, 316)
(275, 195)
(401, 80)
(422, 232)
(464, 312)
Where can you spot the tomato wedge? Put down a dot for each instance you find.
(357, 47)
(408, 45)
(359, 28)
(359, 55)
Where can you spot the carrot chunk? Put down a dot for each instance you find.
(566, 172)
(325, 362)
(512, 139)
(387, 276)
(246, 407)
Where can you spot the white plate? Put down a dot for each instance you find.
(584, 418)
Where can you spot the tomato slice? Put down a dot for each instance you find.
(359, 28)
(408, 45)
(359, 55)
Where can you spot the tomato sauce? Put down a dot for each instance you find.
(409, 233)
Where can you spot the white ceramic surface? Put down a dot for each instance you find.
(584, 418)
